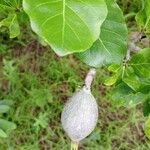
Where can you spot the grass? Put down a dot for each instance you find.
(39, 83)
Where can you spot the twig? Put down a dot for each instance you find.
(134, 38)
(89, 78)
(127, 58)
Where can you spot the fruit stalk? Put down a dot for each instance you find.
(89, 78)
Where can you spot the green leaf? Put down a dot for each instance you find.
(111, 80)
(4, 7)
(146, 107)
(7, 126)
(125, 95)
(12, 23)
(67, 25)
(114, 68)
(147, 128)
(141, 63)
(6, 102)
(132, 81)
(143, 16)
(134, 99)
(2, 134)
(12, 4)
(5, 105)
(4, 108)
(111, 45)
(145, 85)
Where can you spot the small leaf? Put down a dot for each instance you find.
(145, 85)
(143, 16)
(146, 107)
(125, 95)
(2, 134)
(111, 80)
(114, 68)
(111, 45)
(4, 108)
(132, 81)
(4, 7)
(67, 25)
(134, 99)
(12, 23)
(147, 128)
(6, 102)
(7, 126)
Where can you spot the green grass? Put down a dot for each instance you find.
(39, 84)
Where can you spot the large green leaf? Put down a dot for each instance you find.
(11, 23)
(67, 25)
(111, 45)
(143, 17)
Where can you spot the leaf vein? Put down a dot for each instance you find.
(104, 46)
(73, 32)
(46, 3)
(78, 17)
(49, 18)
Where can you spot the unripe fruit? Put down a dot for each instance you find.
(80, 115)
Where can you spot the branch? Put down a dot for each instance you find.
(133, 39)
(89, 78)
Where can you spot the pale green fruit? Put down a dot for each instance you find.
(80, 115)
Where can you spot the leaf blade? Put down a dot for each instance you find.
(7, 126)
(111, 45)
(141, 63)
(2, 134)
(12, 23)
(4, 108)
(67, 18)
